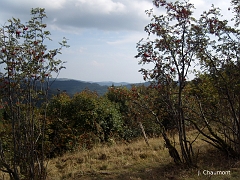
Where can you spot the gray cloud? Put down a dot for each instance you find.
(126, 17)
(113, 15)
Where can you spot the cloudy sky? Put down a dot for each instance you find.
(102, 33)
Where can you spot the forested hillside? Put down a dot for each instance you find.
(71, 86)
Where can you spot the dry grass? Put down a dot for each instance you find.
(137, 161)
(109, 161)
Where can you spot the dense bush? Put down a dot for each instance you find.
(80, 120)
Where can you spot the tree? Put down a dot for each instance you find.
(172, 53)
(220, 61)
(28, 65)
(213, 43)
(236, 9)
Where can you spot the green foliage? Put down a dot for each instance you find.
(137, 105)
(59, 106)
(120, 96)
(108, 118)
(218, 108)
(80, 120)
(82, 111)
(95, 114)
(60, 136)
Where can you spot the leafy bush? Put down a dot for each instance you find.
(79, 121)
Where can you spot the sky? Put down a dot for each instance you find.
(102, 34)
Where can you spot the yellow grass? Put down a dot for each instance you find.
(137, 161)
(108, 161)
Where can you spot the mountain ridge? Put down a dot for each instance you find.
(73, 86)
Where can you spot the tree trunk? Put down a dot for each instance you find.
(143, 131)
(172, 150)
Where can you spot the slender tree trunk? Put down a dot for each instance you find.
(143, 131)
(185, 149)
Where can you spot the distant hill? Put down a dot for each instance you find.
(110, 83)
(72, 86)
(129, 85)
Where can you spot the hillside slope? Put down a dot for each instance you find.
(72, 86)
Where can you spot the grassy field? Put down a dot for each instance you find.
(137, 161)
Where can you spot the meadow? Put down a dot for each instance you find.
(137, 161)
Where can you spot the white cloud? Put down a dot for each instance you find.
(100, 6)
(139, 6)
(53, 4)
(198, 3)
